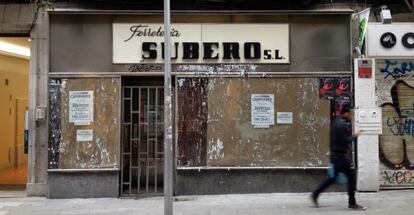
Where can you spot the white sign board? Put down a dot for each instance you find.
(262, 110)
(284, 117)
(390, 40)
(202, 43)
(81, 107)
(84, 135)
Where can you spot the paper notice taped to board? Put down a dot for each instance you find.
(284, 117)
(81, 107)
(262, 110)
(84, 135)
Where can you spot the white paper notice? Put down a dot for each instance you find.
(84, 135)
(263, 110)
(81, 107)
(284, 117)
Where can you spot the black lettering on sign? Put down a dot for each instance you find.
(190, 50)
(208, 50)
(146, 31)
(231, 51)
(173, 56)
(406, 42)
(148, 52)
(248, 50)
(268, 55)
(277, 56)
(135, 31)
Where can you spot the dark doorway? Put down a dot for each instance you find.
(142, 137)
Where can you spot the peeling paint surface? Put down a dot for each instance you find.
(65, 152)
(192, 122)
(231, 140)
(216, 151)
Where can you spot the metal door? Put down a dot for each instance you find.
(142, 141)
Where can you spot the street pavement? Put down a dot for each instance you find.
(399, 202)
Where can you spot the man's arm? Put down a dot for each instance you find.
(346, 133)
(357, 134)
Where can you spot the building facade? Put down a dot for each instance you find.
(254, 90)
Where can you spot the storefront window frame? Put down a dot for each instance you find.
(195, 75)
(179, 75)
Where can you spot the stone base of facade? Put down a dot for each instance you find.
(36, 189)
(83, 184)
(211, 182)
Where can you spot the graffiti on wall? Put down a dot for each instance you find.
(395, 94)
(397, 177)
(144, 68)
(395, 69)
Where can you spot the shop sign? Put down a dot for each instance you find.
(201, 43)
(81, 107)
(390, 40)
(262, 110)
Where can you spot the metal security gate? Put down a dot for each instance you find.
(142, 141)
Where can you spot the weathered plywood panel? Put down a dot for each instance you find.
(233, 141)
(192, 121)
(66, 152)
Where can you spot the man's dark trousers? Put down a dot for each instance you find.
(341, 164)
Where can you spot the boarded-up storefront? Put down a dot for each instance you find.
(217, 130)
(254, 96)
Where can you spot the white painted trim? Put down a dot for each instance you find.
(367, 148)
(85, 170)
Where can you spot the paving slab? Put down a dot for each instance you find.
(385, 202)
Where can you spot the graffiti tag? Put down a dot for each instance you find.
(395, 69)
(403, 177)
(143, 68)
(400, 126)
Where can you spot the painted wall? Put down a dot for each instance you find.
(367, 144)
(87, 36)
(13, 99)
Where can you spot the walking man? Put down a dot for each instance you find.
(341, 157)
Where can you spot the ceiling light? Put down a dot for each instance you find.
(14, 50)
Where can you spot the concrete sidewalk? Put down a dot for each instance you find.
(384, 202)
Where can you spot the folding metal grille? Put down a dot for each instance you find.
(142, 141)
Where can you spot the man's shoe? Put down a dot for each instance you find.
(314, 200)
(357, 207)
